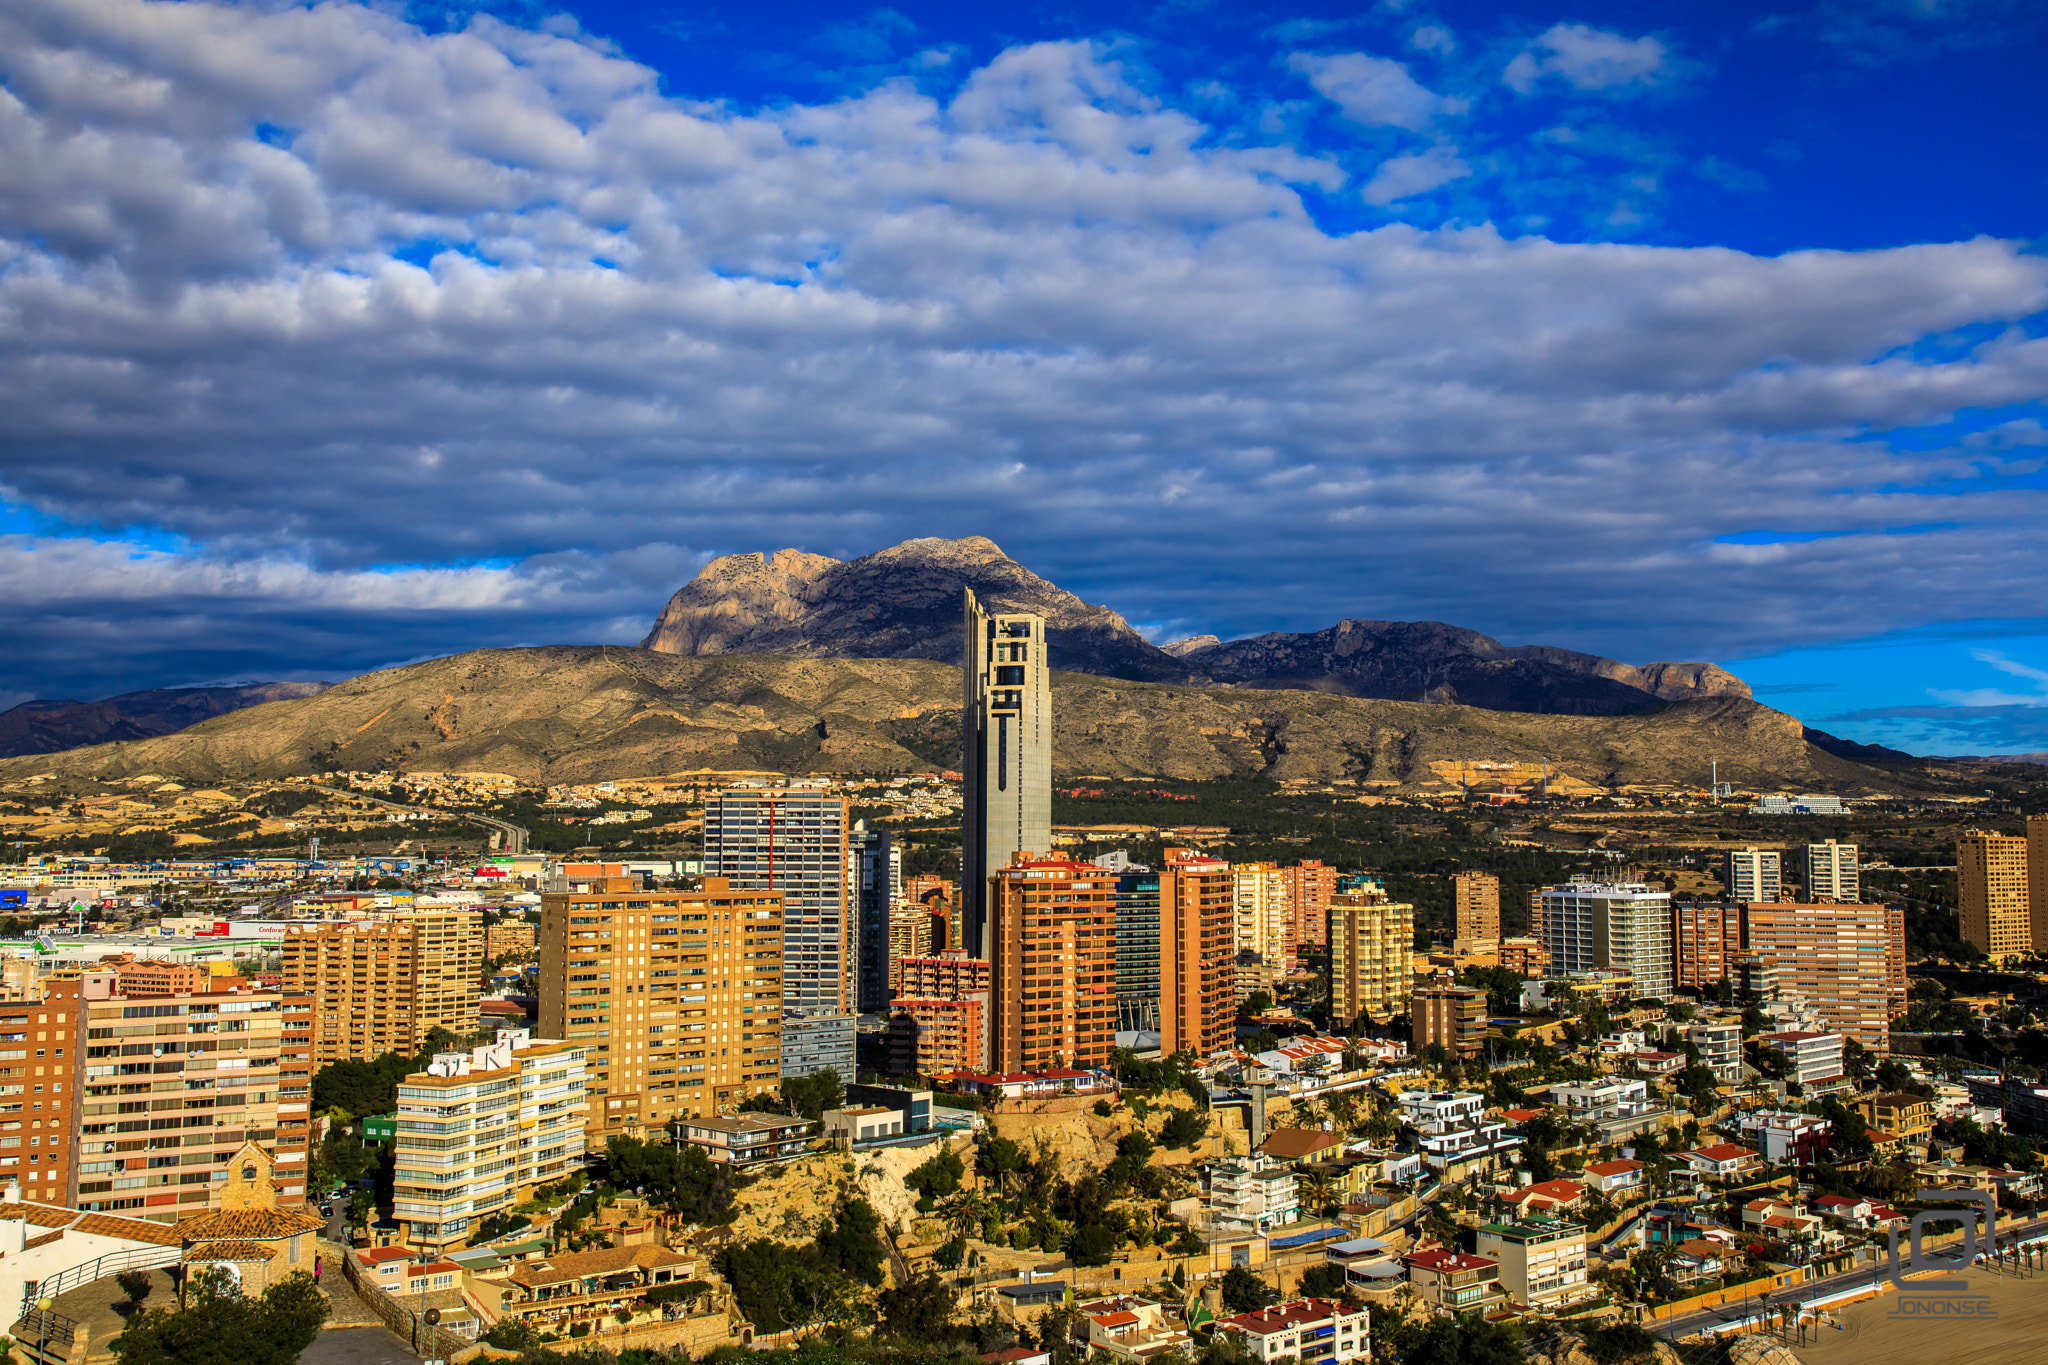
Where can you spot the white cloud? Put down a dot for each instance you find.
(1370, 90)
(488, 298)
(1433, 38)
(1587, 59)
(1403, 177)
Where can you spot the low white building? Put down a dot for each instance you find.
(1255, 1192)
(1313, 1331)
(1599, 1100)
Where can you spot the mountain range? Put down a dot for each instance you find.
(578, 713)
(48, 727)
(904, 603)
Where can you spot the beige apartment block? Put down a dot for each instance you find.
(1372, 955)
(1476, 903)
(508, 938)
(1848, 962)
(174, 1086)
(1991, 877)
(381, 985)
(676, 994)
(2037, 880)
(1261, 903)
(478, 1130)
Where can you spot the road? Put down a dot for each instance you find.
(515, 835)
(1863, 1276)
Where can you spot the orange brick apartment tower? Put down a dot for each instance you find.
(1052, 924)
(1310, 884)
(39, 1059)
(1706, 938)
(1477, 908)
(675, 994)
(1197, 954)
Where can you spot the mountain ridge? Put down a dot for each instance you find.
(53, 726)
(572, 713)
(903, 602)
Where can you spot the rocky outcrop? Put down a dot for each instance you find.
(904, 603)
(49, 727)
(1431, 661)
(899, 603)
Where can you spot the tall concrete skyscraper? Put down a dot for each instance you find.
(1006, 757)
(875, 873)
(1611, 926)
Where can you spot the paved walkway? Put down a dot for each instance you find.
(357, 1346)
(349, 1311)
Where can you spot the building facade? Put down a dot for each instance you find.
(1475, 898)
(1197, 964)
(478, 1130)
(508, 938)
(1991, 878)
(793, 841)
(1706, 938)
(1833, 873)
(1372, 955)
(382, 985)
(1617, 926)
(1259, 892)
(930, 1035)
(40, 1044)
(1137, 950)
(1310, 884)
(1450, 1017)
(173, 1087)
(1006, 757)
(1847, 962)
(1754, 874)
(676, 995)
(1053, 971)
(1542, 1262)
(875, 874)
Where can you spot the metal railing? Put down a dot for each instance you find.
(113, 1263)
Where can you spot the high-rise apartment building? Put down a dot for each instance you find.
(792, 842)
(1450, 1017)
(875, 874)
(676, 995)
(2037, 880)
(1259, 893)
(932, 1035)
(943, 975)
(914, 931)
(1053, 997)
(1538, 928)
(1754, 874)
(508, 938)
(39, 1061)
(1706, 938)
(381, 985)
(1610, 926)
(1475, 900)
(1847, 962)
(1006, 756)
(1991, 880)
(1832, 873)
(1137, 950)
(1372, 955)
(1310, 884)
(1196, 957)
(173, 1087)
(478, 1130)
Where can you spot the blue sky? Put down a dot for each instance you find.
(340, 335)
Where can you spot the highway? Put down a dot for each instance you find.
(515, 835)
(1739, 1310)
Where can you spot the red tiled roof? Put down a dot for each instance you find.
(382, 1255)
(1116, 1319)
(1447, 1262)
(1286, 1317)
(1720, 1151)
(1622, 1167)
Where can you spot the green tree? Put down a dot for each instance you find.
(218, 1326)
(1183, 1128)
(682, 1180)
(1324, 1281)
(1244, 1292)
(1469, 1340)
(919, 1311)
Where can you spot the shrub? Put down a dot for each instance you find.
(579, 1329)
(1103, 1109)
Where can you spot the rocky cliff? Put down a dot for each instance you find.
(904, 603)
(899, 603)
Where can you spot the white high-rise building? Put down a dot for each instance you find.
(1754, 875)
(1259, 894)
(1619, 926)
(1832, 872)
(1006, 756)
